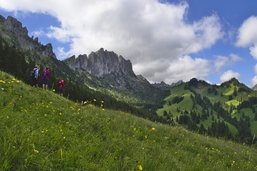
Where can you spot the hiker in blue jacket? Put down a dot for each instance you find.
(35, 75)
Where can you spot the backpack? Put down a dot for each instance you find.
(33, 73)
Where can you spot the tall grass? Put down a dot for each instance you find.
(40, 130)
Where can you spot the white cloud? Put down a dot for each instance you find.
(247, 32)
(61, 53)
(61, 35)
(226, 76)
(247, 35)
(183, 68)
(254, 80)
(253, 51)
(145, 31)
(222, 61)
(38, 33)
(235, 57)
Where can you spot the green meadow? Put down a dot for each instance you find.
(40, 130)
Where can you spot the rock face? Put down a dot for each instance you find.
(161, 85)
(109, 67)
(115, 72)
(19, 36)
(102, 63)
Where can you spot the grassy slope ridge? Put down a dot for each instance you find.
(41, 130)
(229, 95)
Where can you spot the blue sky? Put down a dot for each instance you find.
(172, 40)
(233, 14)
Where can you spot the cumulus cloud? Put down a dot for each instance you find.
(254, 80)
(226, 76)
(61, 53)
(247, 32)
(153, 35)
(184, 68)
(61, 35)
(247, 35)
(222, 61)
(253, 51)
(38, 33)
(235, 57)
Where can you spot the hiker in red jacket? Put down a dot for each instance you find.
(61, 86)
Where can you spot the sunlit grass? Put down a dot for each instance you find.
(40, 130)
(233, 102)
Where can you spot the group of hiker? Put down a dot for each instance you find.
(43, 77)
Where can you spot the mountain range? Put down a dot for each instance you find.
(228, 110)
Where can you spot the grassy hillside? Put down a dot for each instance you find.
(228, 110)
(43, 131)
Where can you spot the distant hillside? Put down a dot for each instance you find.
(44, 131)
(228, 110)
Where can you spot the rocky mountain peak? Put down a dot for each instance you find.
(231, 81)
(13, 28)
(111, 68)
(161, 85)
(100, 63)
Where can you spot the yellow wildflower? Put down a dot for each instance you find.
(139, 167)
(153, 129)
(2, 81)
(35, 151)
